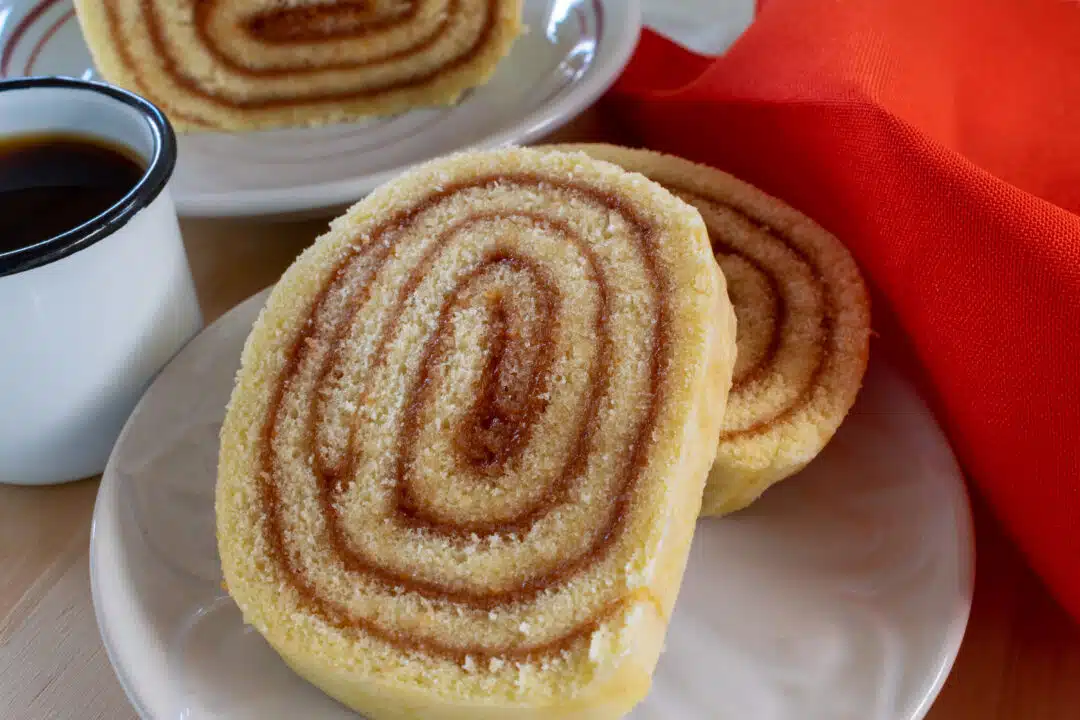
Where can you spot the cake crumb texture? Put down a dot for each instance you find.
(236, 65)
(803, 315)
(467, 445)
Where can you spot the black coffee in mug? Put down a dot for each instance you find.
(52, 183)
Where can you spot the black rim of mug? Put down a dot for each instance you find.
(150, 185)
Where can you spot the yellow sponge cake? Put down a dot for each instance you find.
(238, 65)
(466, 449)
(803, 325)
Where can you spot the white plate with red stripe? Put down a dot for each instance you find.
(571, 54)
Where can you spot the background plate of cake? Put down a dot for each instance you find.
(553, 432)
(292, 108)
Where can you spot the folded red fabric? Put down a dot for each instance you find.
(939, 139)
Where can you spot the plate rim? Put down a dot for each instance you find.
(598, 78)
(964, 529)
(965, 532)
(105, 487)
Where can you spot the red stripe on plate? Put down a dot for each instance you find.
(44, 39)
(29, 19)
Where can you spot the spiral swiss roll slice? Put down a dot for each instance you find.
(248, 64)
(803, 325)
(465, 451)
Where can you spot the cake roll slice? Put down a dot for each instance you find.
(253, 64)
(803, 325)
(466, 449)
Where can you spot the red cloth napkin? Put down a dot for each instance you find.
(940, 140)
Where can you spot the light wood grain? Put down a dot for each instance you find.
(1020, 659)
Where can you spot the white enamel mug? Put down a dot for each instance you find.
(89, 317)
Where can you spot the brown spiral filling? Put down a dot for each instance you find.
(499, 423)
(309, 25)
(314, 23)
(763, 364)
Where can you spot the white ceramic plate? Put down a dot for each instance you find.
(572, 52)
(843, 594)
(705, 26)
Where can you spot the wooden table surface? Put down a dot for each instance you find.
(1020, 659)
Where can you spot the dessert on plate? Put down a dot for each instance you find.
(242, 65)
(803, 325)
(464, 455)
